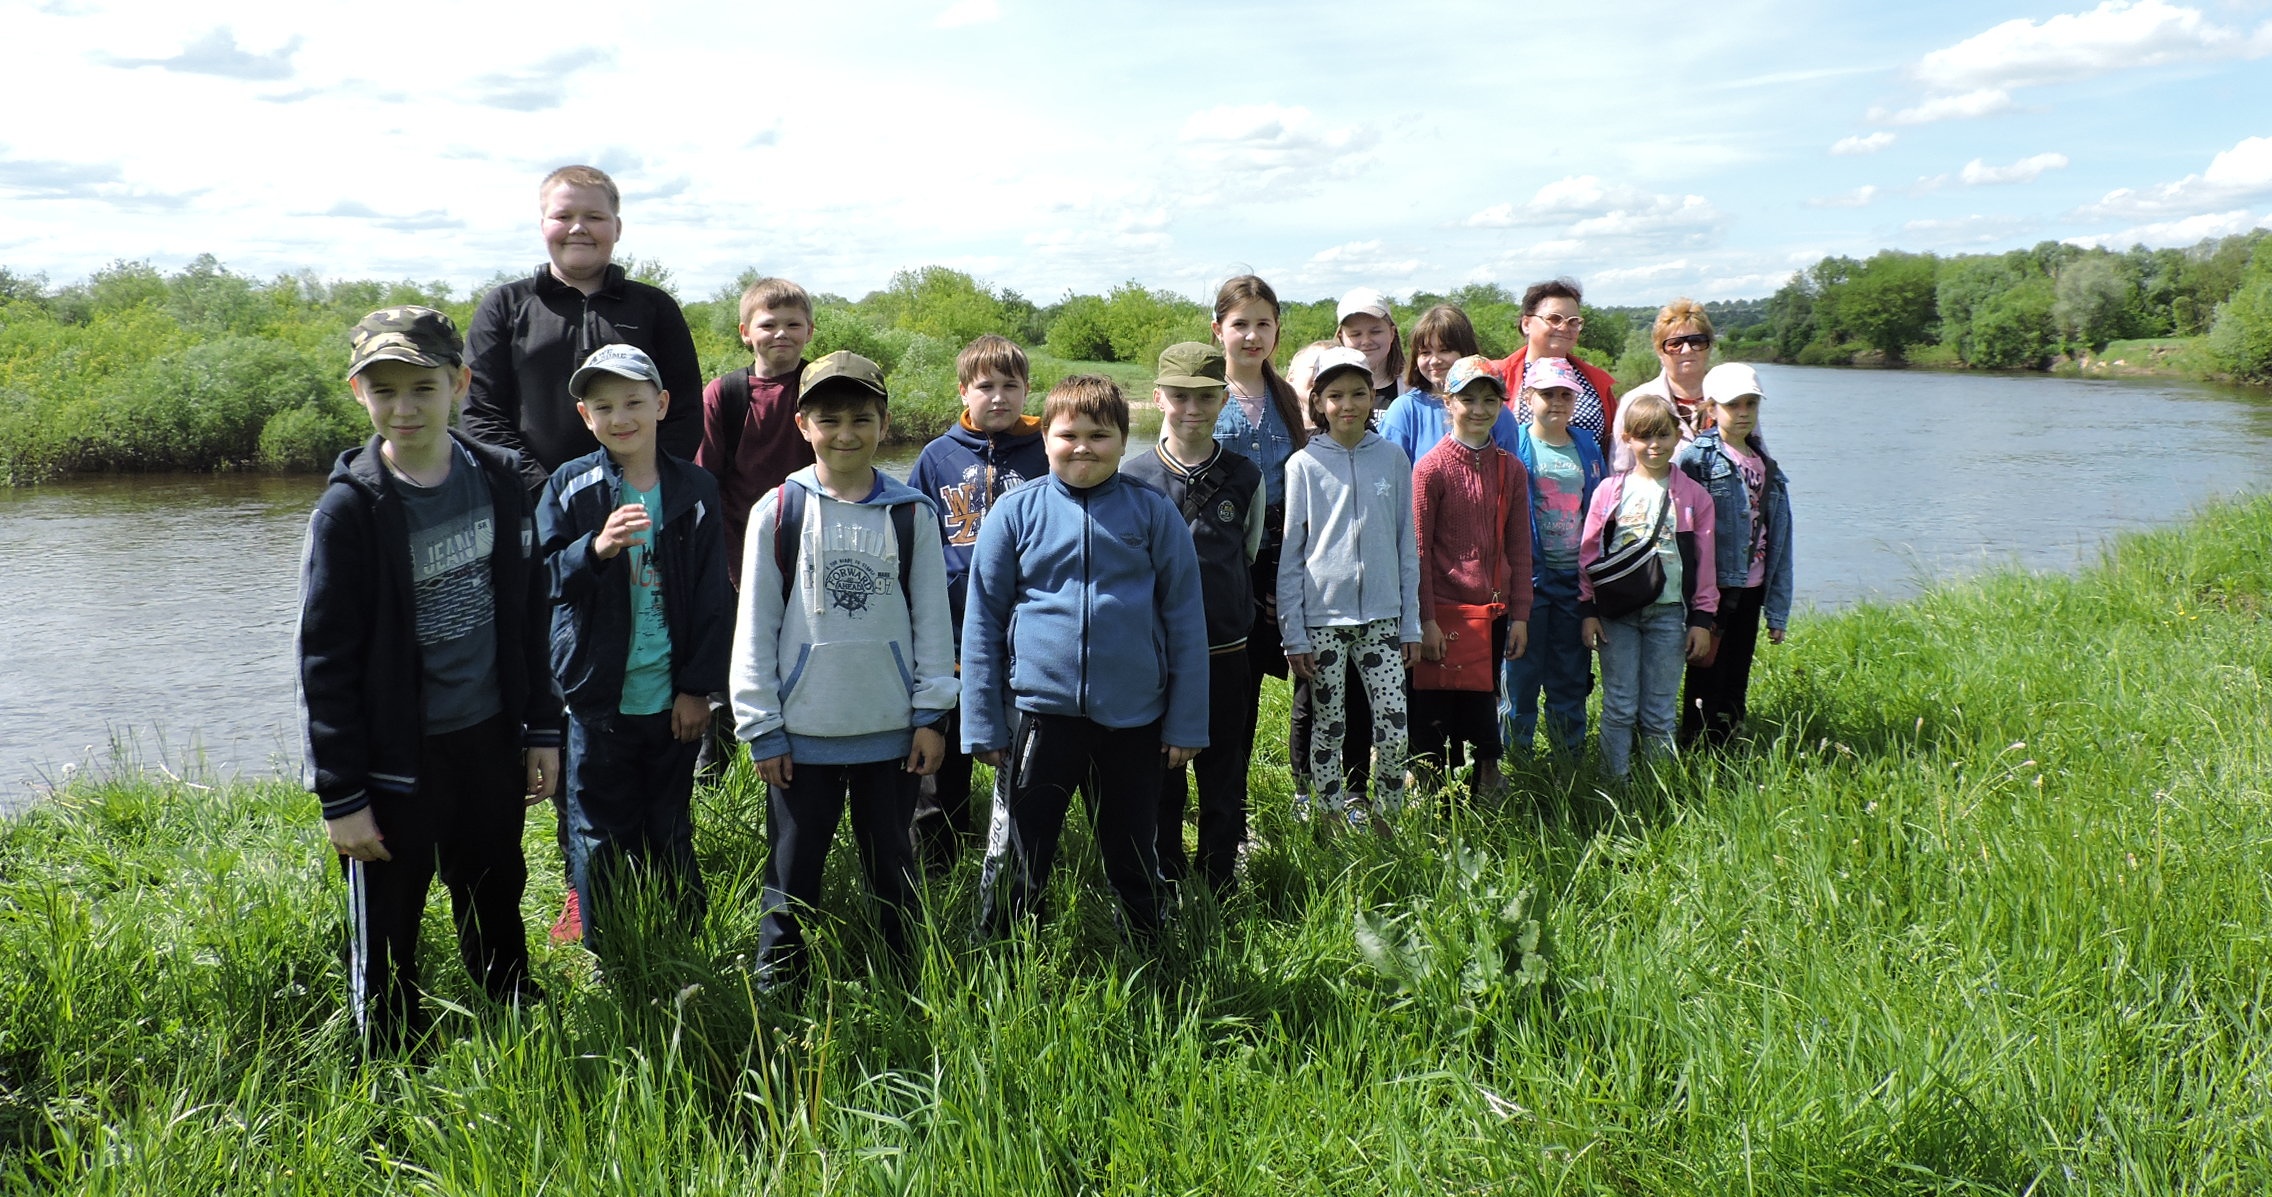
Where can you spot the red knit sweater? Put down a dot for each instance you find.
(1463, 499)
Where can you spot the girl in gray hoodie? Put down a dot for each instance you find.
(1349, 579)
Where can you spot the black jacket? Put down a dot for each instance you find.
(1215, 501)
(361, 671)
(530, 334)
(591, 596)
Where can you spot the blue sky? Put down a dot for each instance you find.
(1648, 150)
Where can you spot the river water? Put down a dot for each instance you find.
(150, 618)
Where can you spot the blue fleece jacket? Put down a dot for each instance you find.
(964, 473)
(1085, 602)
(1418, 422)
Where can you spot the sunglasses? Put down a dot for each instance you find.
(1690, 343)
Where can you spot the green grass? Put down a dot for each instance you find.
(1985, 910)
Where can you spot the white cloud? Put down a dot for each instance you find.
(2187, 231)
(2117, 35)
(1358, 259)
(1968, 230)
(2026, 170)
(1976, 76)
(1858, 144)
(2241, 173)
(967, 12)
(1985, 101)
(1859, 197)
(1256, 146)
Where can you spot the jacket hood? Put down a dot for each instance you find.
(889, 491)
(1324, 442)
(1025, 431)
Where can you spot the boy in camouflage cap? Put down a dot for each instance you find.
(427, 700)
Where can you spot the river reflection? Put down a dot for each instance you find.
(156, 612)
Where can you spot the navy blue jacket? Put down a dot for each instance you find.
(361, 671)
(591, 595)
(964, 472)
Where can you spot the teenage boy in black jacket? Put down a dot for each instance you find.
(1221, 497)
(642, 621)
(430, 717)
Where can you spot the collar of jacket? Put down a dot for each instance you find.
(611, 283)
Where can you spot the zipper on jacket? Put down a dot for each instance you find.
(1088, 531)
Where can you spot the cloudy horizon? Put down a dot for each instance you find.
(1059, 148)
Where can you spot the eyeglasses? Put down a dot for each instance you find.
(1691, 343)
(1558, 323)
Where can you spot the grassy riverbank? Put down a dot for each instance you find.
(1984, 912)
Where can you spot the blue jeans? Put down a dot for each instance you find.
(1643, 657)
(630, 794)
(1557, 662)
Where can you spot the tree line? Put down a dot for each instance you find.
(2026, 309)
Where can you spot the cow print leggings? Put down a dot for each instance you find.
(1380, 668)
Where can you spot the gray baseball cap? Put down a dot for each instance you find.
(623, 361)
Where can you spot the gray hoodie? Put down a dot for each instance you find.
(1351, 556)
(845, 670)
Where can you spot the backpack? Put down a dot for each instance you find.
(789, 512)
(733, 399)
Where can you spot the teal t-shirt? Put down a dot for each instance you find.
(1560, 514)
(647, 670)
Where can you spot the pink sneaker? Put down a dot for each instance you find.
(570, 927)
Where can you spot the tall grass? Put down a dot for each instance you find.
(1984, 910)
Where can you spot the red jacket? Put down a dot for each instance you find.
(1511, 374)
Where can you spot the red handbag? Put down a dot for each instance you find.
(1467, 663)
(1467, 649)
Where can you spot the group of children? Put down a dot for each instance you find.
(1028, 600)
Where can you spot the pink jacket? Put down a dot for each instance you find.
(1692, 531)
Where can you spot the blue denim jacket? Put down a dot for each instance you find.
(1702, 460)
(1267, 445)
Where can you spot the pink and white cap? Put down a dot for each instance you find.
(1549, 372)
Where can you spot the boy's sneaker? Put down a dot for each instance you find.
(570, 926)
(1356, 817)
(1301, 807)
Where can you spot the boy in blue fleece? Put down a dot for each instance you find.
(843, 661)
(1084, 657)
(994, 448)
(428, 710)
(642, 616)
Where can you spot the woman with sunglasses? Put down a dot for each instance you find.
(1683, 339)
(1551, 324)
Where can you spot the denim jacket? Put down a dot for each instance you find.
(1267, 444)
(1702, 460)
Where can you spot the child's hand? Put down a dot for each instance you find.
(1411, 653)
(543, 766)
(1431, 640)
(1699, 644)
(626, 526)
(1304, 665)
(1178, 757)
(357, 836)
(1589, 634)
(1518, 639)
(776, 770)
(929, 752)
(690, 717)
(1774, 635)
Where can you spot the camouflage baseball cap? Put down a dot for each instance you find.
(420, 336)
(842, 368)
(625, 361)
(1194, 365)
(1468, 371)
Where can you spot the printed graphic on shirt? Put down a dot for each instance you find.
(850, 584)
(1226, 512)
(1754, 473)
(1380, 487)
(966, 502)
(449, 570)
(1560, 512)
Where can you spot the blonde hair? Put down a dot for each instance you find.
(1091, 395)
(581, 176)
(1647, 415)
(990, 354)
(1680, 311)
(768, 293)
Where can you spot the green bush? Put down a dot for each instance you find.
(2013, 329)
(1080, 333)
(306, 440)
(2240, 341)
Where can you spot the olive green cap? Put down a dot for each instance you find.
(1192, 364)
(842, 368)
